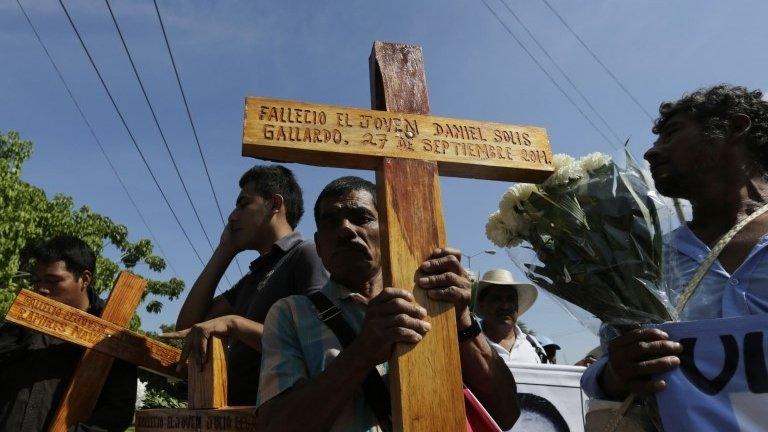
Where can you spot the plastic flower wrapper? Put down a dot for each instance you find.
(591, 235)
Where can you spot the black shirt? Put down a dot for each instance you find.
(290, 267)
(35, 370)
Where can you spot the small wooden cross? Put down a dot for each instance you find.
(104, 338)
(207, 386)
(409, 150)
(93, 368)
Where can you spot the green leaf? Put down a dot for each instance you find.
(27, 215)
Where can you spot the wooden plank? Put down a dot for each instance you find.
(207, 386)
(334, 136)
(47, 316)
(228, 419)
(85, 386)
(425, 380)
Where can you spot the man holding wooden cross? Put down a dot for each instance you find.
(322, 374)
(35, 369)
(268, 209)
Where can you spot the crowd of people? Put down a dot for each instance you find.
(311, 326)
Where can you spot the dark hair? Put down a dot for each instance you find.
(532, 403)
(713, 109)
(75, 253)
(341, 186)
(271, 180)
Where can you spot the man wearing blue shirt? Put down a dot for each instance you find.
(310, 381)
(712, 149)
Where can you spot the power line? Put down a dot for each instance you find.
(562, 72)
(543, 70)
(128, 130)
(192, 123)
(95, 138)
(159, 129)
(594, 56)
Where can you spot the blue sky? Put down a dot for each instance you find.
(318, 52)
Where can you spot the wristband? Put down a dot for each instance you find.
(470, 332)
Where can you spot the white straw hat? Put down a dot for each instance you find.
(526, 293)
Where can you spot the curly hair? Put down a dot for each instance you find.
(713, 108)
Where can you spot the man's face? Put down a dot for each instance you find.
(250, 218)
(499, 304)
(681, 155)
(55, 281)
(347, 237)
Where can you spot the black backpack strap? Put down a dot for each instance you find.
(375, 391)
(538, 348)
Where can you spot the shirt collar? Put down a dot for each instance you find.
(281, 246)
(686, 242)
(519, 336)
(286, 243)
(336, 291)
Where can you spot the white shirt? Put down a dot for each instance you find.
(522, 351)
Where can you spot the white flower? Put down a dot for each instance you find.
(593, 161)
(499, 233)
(566, 169)
(515, 223)
(516, 195)
(141, 394)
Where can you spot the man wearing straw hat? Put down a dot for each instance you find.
(500, 302)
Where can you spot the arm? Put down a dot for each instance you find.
(590, 379)
(200, 304)
(290, 401)
(310, 405)
(197, 336)
(489, 378)
(484, 372)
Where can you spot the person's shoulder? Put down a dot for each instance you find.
(306, 249)
(292, 307)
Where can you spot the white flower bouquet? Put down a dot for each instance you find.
(596, 235)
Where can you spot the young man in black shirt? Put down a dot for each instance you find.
(35, 369)
(268, 209)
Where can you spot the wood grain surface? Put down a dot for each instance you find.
(91, 373)
(425, 380)
(327, 135)
(55, 319)
(207, 385)
(228, 419)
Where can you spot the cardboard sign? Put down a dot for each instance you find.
(722, 382)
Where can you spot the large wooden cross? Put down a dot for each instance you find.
(409, 150)
(104, 338)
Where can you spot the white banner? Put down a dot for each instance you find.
(550, 398)
(722, 381)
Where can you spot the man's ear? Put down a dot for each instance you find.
(277, 201)
(86, 277)
(740, 125)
